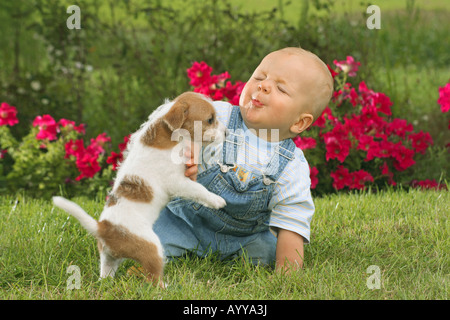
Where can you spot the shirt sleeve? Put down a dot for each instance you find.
(292, 205)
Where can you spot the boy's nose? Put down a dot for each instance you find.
(264, 87)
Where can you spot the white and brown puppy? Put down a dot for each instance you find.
(146, 181)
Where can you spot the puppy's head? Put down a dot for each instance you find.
(194, 113)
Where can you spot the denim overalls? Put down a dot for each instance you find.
(243, 223)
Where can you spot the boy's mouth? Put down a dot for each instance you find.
(256, 103)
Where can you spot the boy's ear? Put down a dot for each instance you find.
(303, 123)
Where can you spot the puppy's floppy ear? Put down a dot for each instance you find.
(176, 115)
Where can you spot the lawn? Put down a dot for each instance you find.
(404, 236)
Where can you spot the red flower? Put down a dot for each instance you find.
(305, 143)
(444, 97)
(71, 125)
(420, 141)
(313, 172)
(398, 127)
(337, 143)
(359, 178)
(98, 143)
(349, 66)
(214, 86)
(383, 103)
(355, 180)
(365, 93)
(326, 114)
(403, 157)
(116, 158)
(88, 165)
(232, 92)
(199, 73)
(74, 148)
(341, 178)
(86, 159)
(353, 97)
(123, 145)
(365, 142)
(8, 115)
(428, 184)
(379, 149)
(48, 127)
(220, 78)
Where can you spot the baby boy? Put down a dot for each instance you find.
(258, 170)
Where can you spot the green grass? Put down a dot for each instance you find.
(405, 234)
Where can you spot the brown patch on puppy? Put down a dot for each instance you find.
(124, 244)
(158, 135)
(188, 108)
(134, 188)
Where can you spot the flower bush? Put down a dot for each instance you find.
(214, 86)
(354, 144)
(52, 155)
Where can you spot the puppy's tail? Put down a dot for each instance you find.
(89, 223)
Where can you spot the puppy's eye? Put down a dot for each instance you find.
(211, 120)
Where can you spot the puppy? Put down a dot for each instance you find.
(146, 180)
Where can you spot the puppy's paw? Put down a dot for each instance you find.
(215, 202)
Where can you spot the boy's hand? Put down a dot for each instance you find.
(191, 164)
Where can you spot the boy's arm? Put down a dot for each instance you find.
(289, 253)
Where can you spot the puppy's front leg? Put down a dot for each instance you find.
(195, 191)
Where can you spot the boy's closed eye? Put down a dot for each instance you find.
(279, 87)
(282, 90)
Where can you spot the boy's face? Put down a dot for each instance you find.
(277, 93)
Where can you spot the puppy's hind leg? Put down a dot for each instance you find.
(108, 265)
(152, 263)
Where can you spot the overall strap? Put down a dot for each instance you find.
(234, 137)
(282, 154)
